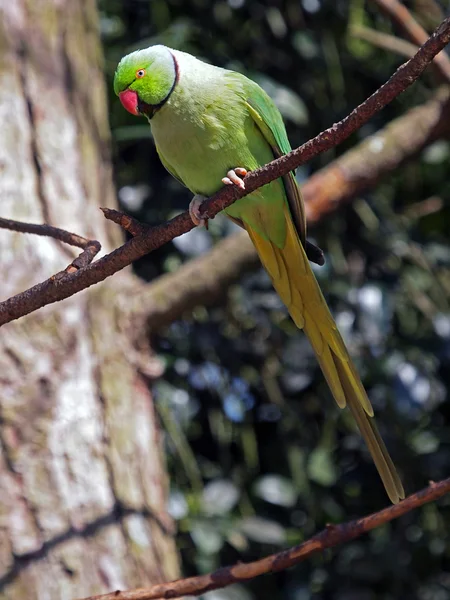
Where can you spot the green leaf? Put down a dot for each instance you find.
(321, 468)
(219, 497)
(263, 531)
(425, 442)
(206, 537)
(276, 490)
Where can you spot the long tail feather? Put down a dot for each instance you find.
(296, 284)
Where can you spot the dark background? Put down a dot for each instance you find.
(260, 457)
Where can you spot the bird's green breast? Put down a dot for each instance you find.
(203, 131)
(200, 137)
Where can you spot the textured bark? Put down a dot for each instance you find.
(82, 484)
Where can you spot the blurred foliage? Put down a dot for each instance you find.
(259, 455)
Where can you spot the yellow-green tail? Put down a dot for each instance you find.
(296, 284)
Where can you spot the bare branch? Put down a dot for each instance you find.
(402, 17)
(128, 223)
(45, 230)
(90, 247)
(63, 285)
(332, 536)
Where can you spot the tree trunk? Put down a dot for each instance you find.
(82, 484)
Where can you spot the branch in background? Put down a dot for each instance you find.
(201, 281)
(205, 279)
(64, 284)
(424, 208)
(428, 12)
(332, 536)
(401, 16)
(90, 247)
(384, 40)
(383, 152)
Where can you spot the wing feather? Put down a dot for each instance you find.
(268, 119)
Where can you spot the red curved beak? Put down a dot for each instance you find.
(129, 101)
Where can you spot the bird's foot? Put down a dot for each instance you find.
(234, 177)
(194, 211)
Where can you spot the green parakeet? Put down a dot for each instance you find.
(211, 126)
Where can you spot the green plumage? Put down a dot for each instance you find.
(210, 121)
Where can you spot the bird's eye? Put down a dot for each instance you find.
(140, 73)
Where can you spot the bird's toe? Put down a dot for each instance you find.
(234, 177)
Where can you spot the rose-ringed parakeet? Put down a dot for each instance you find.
(210, 127)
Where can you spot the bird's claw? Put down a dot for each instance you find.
(194, 211)
(234, 177)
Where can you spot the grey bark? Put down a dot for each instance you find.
(82, 481)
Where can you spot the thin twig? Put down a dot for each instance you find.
(128, 223)
(332, 536)
(63, 285)
(45, 230)
(90, 247)
(403, 18)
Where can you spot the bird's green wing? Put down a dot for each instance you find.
(268, 119)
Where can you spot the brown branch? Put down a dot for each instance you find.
(90, 247)
(62, 285)
(127, 223)
(402, 17)
(333, 535)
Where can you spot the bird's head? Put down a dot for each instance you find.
(145, 79)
